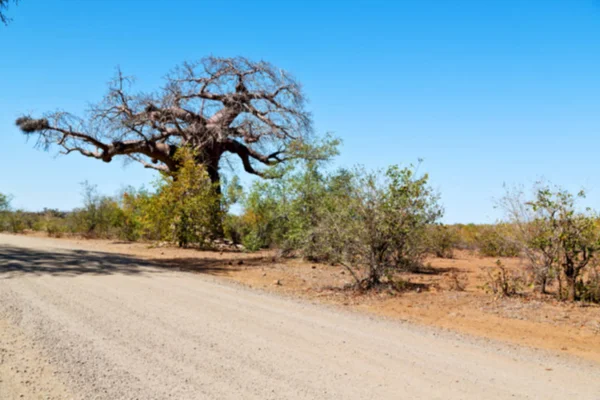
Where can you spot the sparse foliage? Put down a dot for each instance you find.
(213, 107)
(100, 216)
(557, 239)
(4, 202)
(502, 282)
(535, 233)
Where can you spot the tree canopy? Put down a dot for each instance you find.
(215, 106)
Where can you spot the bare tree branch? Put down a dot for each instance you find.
(210, 106)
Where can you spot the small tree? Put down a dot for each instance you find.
(285, 212)
(575, 234)
(535, 232)
(378, 226)
(100, 215)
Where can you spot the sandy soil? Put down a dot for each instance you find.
(85, 322)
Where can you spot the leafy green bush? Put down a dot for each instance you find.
(378, 225)
(285, 212)
(186, 208)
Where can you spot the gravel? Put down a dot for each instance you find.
(84, 325)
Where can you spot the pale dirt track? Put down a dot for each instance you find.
(81, 325)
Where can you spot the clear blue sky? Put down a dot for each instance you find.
(487, 92)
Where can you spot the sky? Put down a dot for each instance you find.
(487, 93)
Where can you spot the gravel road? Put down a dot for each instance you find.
(76, 324)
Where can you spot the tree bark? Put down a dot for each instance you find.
(572, 288)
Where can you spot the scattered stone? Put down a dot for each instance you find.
(277, 282)
(241, 262)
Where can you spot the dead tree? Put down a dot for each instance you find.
(214, 107)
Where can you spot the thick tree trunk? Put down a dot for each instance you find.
(571, 273)
(212, 168)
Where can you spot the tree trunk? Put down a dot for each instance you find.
(572, 288)
(217, 214)
(542, 281)
(571, 277)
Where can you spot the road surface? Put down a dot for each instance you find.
(76, 324)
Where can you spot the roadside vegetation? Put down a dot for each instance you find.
(377, 225)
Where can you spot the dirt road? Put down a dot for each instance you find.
(76, 324)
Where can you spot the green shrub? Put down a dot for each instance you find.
(378, 225)
(17, 222)
(496, 241)
(443, 239)
(589, 288)
(186, 208)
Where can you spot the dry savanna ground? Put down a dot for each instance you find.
(448, 294)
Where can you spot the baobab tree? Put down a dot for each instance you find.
(213, 107)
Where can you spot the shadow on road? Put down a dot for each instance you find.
(16, 261)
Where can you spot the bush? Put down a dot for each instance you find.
(558, 238)
(186, 208)
(53, 225)
(100, 216)
(378, 225)
(577, 232)
(18, 222)
(502, 282)
(443, 239)
(589, 288)
(496, 241)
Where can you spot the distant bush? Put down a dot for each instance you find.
(54, 223)
(18, 221)
(100, 216)
(442, 239)
(496, 241)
